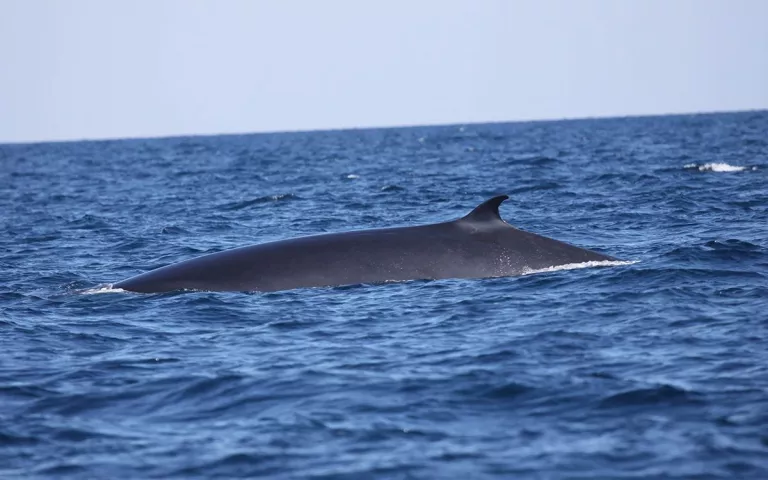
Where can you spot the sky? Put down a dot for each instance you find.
(88, 69)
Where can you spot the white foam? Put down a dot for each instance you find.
(101, 289)
(574, 266)
(352, 176)
(718, 167)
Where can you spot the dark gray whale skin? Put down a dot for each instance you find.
(478, 245)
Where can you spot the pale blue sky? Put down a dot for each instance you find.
(73, 69)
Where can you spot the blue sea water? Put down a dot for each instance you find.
(654, 369)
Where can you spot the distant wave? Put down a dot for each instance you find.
(256, 201)
(717, 167)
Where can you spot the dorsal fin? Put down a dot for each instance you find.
(487, 211)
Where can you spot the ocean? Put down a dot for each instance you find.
(653, 369)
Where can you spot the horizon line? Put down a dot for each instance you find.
(376, 127)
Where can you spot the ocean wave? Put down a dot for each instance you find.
(658, 395)
(652, 369)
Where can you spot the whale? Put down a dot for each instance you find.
(479, 245)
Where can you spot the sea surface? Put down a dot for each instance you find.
(657, 368)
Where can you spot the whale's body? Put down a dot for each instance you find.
(478, 245)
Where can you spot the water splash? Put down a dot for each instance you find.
(717, 167)
(574, 266)
(108, 288)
